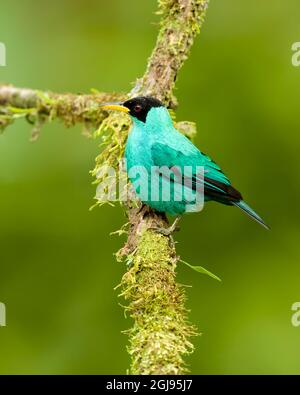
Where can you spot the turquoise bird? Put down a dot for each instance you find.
(154, 143)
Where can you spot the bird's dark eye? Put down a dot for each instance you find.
(138, 108)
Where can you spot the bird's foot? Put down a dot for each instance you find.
(168, 231)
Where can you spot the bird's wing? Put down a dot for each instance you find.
(179, 152)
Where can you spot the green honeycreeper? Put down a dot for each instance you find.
(153, 142)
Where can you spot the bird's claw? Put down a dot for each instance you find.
(167, 231)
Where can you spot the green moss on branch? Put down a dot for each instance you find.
(160, 335)
(180, 23)
(39, 107)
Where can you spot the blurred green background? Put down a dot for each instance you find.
(57, 270)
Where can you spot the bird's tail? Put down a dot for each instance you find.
(248, 210)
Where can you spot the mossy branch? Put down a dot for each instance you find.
(160, 336)
(181, 21)
(40, 107)
(161, 333)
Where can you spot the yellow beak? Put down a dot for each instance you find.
(116, 107)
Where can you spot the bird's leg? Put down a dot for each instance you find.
(170, 230)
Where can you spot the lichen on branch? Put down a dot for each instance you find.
(161, 333)
(181, 21)
(41, 107)
(159, 338)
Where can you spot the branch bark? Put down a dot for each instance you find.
(47, 106)
(180, 23)
(160, 336)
